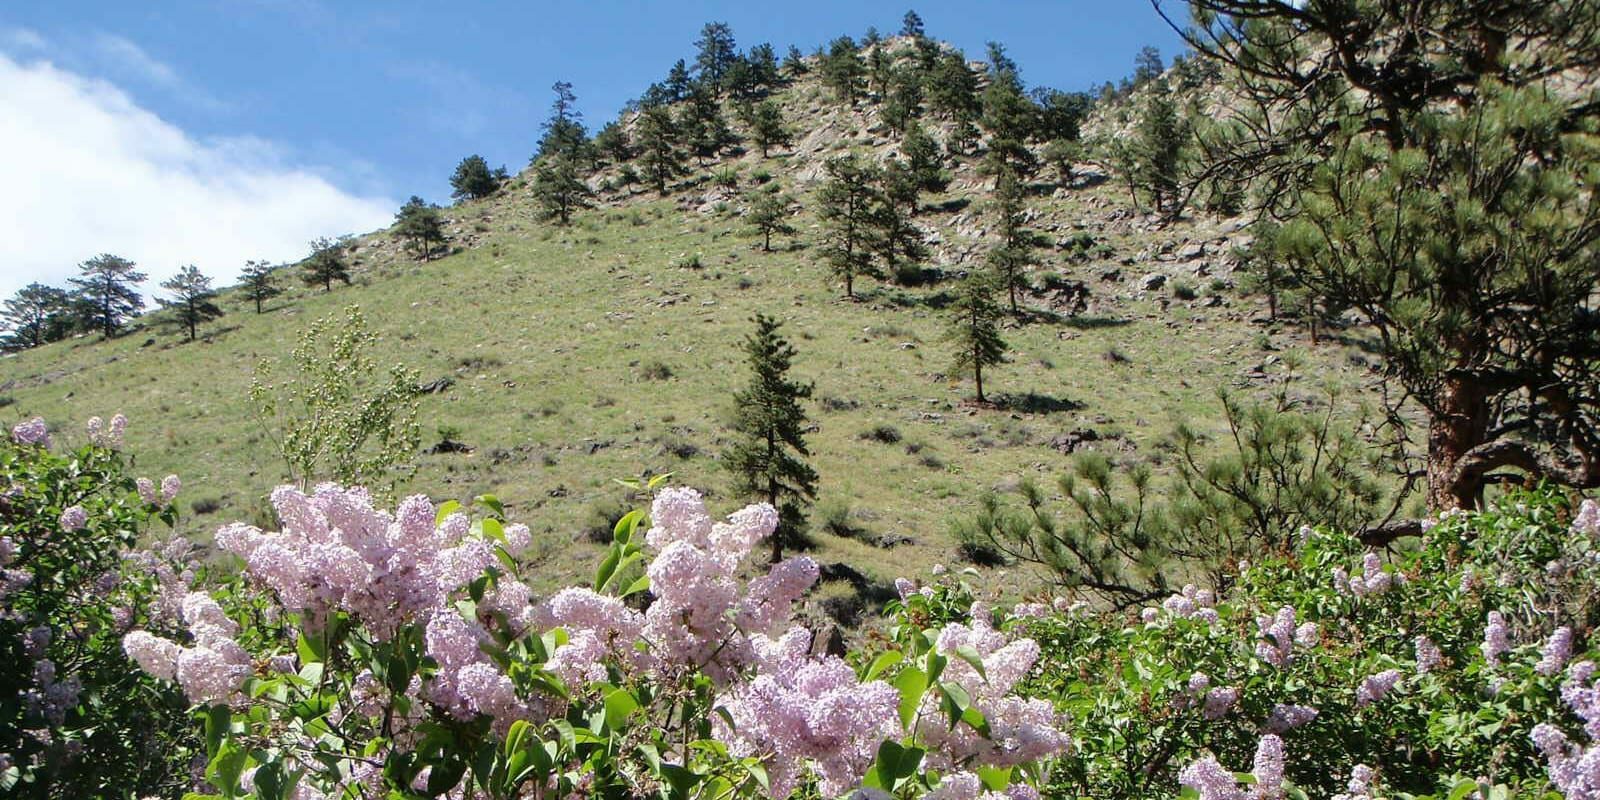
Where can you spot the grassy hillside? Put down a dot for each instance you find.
(600, 351)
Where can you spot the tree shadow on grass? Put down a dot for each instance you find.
(1035, 403)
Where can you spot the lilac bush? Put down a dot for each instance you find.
(366, 653)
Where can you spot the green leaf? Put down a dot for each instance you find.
(608, 568)
(620, 703)
(639, 584)
(446, 508)
(225, 768)
(655, 482)
(492, 503)
(311, 650)
(912, 683)
(1463, 788)
(936, 665)
(622, 533)
(218, 720)
(885, 660)
(995, 779)
(969, 654)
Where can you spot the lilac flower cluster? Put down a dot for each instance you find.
(1587, 520)
(1287, 717)
(1278, 637)
(1020, 729)
(1375, 687)
(702, 617)
(51, 698)
(336, 551)
(103, 435)
(74, 518)
(798, 711)
(1362, 784)
(1496, 638)
(1190, 603)
(1556, 652)
(33, 432)
(1212, 781)
(968, 786)
(212, 669)
(1428, 655)
(1373, 580)
(1574, 769)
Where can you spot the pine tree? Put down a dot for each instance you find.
(716, 54)
(612, 142)
(1147, 65)
(769, 214)
(105, 290)
(767, 129)
(419, 224)
(260, 285)
(1062, 154)
(880, 72)
(34, 316)
(1448, 197)
(911, 25)
(564, 133)
(1010, 118)
(769, 459)
(847, 203)
(974, 331)
(794, 63)
(193, 301)
(1157, 151)
(763, 61)
(842, 69)
(678, 82)
(658, 147)
(558, 189)
(701, 124)
(952, 89)
(326, 264)
(923, 158)
(472, 179)
(1013, 254)
(899, 240)
(904, 100)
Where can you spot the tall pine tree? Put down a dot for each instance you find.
(260, 285)
(769, 458)
(658, 147)
(326, 264)
(34, 316)
(1013, 254)
(419, 224)
(769, 214)
(974, 330)
(105, 291)
(847, 203)
(192, 301)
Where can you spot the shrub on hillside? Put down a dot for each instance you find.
(1458, 663)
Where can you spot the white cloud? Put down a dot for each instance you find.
(130, 57)
(86, 170)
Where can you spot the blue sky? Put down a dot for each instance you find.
(319, 117)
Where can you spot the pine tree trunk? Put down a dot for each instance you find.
(1461, 424)
(977, 373)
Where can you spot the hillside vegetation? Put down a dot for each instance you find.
(608, 348)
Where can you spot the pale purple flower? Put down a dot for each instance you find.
(1361, 785)
(1556, 652)
(74, 518)
(1496, 638)
(170, 486)
(156, 656)
(1377, 686)
(1428, 655)
(1286, 717)
(147, 491)
(1030, 611)
(1307, 635)
(1278, 637)
(32, 432)
(1587, 519)
(1211, 780)
(518, 538)
(1219, 702)
(1268, 768)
